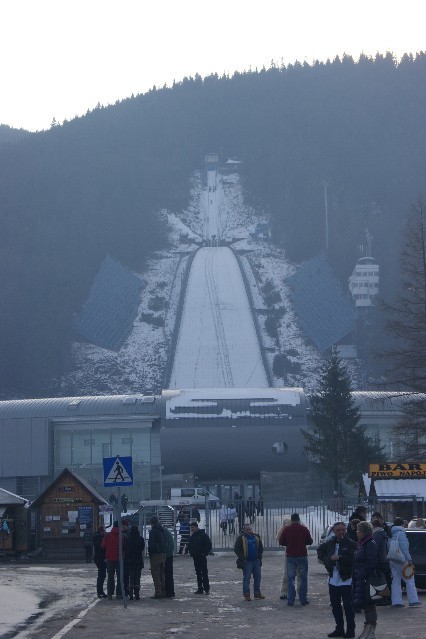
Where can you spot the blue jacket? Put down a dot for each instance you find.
(403, 541)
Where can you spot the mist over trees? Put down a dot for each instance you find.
(95, 185)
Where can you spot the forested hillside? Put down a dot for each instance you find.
(96, 185)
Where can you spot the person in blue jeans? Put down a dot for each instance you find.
(295, 538)
(249, 550)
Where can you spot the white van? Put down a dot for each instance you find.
(193, 497)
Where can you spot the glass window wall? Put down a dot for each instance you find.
(141, 445)
(101, 446)
(63, 448)
(81, 447)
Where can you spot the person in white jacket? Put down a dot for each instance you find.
(223, 518)
(398, 533)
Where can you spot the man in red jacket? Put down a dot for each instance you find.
(296, 537)
(110, 543)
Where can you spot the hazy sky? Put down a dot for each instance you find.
(61, 57)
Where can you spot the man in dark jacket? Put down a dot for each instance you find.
(168, 567)
(99, 555)
(125, 530)
(338, 554)
(134, 546)
(88, 543)
(157, 556)
(360, 513)
(199, 547)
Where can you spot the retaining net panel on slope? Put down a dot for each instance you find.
(325, 314)
(107, 316)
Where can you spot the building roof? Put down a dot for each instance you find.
(78, 478)
(10, 499)
(67, 407)
(232, 403)
(384, 401)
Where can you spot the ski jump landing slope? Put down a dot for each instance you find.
(217, 345)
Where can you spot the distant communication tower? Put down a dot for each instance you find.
(364, 281)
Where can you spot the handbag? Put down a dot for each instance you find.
(395, 552)
(408, 571)
(376, 586)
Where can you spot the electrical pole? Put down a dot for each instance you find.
(325, 184)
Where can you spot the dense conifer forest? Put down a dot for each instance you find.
(96, 185)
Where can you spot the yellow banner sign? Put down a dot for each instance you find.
(397, 469)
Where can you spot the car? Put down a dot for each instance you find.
(417, 541)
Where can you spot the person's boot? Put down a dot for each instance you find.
(137, 590)
(365, 632)
(247, 596)
(259, 595)
(337, 633)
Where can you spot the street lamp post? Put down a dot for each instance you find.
(325, 184)
(161, 482)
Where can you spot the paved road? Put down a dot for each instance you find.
(222, 615)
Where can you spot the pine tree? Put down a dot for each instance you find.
(336, 442)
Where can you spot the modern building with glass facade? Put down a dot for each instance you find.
(216, 438)
(39, 438)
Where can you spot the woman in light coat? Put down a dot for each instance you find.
(398, 532)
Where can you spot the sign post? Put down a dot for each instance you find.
(118, 471)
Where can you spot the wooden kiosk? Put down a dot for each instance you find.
(67, 507)
(13, 523)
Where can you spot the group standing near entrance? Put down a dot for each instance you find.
(361, 574)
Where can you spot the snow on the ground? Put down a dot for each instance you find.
(217, 345)
(216, 212)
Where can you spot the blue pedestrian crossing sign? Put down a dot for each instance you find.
(118, 471)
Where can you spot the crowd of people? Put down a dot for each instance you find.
(161, 547)
(233, 515)
(366, 563)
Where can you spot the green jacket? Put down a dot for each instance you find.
(170, 543)
(240, 547)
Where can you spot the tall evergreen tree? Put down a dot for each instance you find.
(336, 442)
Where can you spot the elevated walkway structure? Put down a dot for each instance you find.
(325, 313)
(108, 315)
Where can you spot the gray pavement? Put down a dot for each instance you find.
(223, 613)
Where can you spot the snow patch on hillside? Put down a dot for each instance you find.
(141, 363)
